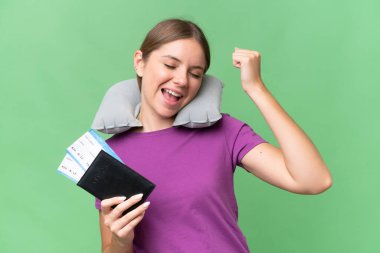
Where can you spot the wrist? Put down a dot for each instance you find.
(121, 246)
(257, 90)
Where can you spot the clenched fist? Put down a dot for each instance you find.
(248, 62)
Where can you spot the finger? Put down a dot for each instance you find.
(242, 55)
(136, 212)
(119, 209)
(238, 60)
(246, 58)
(236, 63)
(245, 51)
(106, 204)
(250, 55)
(131, 225)
(127, 218)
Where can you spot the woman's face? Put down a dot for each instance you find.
(171, 76)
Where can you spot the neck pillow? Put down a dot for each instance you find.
(121, 105)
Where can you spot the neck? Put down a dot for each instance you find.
(153, 122)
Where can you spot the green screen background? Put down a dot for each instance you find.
(320, 59)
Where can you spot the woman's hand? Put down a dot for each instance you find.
(249, 64)
(120, 228)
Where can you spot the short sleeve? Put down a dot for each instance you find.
(240, 138)
(97, 204)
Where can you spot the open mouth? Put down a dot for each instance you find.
(171, 95)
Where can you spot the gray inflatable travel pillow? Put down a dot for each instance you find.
(121, 104)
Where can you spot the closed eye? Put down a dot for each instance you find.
(169, 66)
(196, 76)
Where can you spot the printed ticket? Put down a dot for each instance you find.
(82, 153)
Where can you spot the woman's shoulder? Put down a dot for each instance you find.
(232, 125)
(232, 121)
(227, 125)
(116, 139)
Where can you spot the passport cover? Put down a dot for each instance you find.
(107, 177)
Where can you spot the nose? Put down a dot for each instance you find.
(180, 78)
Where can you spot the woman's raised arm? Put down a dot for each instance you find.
(296, 165)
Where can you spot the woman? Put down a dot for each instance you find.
(193, 206)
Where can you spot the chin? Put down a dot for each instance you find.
(169, 111)
(168, 114)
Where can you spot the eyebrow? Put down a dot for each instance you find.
(178, 60)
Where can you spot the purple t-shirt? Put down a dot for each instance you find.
(193, 207)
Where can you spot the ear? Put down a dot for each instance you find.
(139, 63)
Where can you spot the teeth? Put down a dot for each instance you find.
(172, 93)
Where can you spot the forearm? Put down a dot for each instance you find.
(301, 157)
(114, 247)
